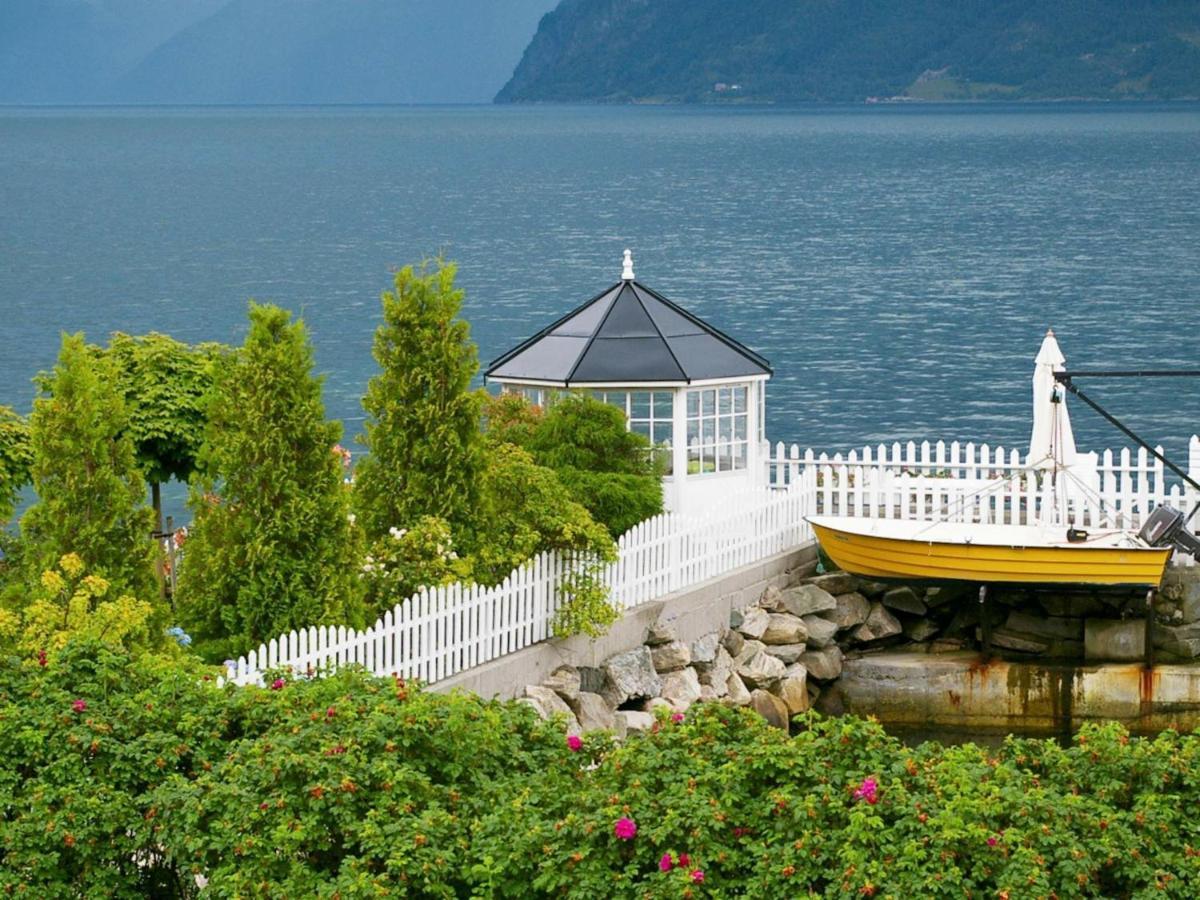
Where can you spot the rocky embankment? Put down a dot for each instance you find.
(778, 654)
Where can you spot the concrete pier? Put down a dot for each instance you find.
(963, 691)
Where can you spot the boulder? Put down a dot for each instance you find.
(851, 610)
(802, 572)
(630, 676)
(1053, 628)
(736, 616)
(1072, 605)
(749, 648)
(733, 642)
(681, 689)
(872, 588)
(704, 650)
(821, 632)
(718, 673)
(1114, 639)
(593, 713)
(786, 653)
(1010, 640)
(660, 633)
(591, 679)
(1180, 642)
(807, 599)
(771, 598)
(905, 599)
(1182, 587)
(754, 622)
(771, 708)
(708, 693)
(947, 645)
(879, 624)
(823, 665)
(793, 690)
(564, 681)
(937, 597)
(549, 704)
(784, 629)
(920, 630)
(670, 657)
(654, 704)
(760, 670)
(735, 690)
(835, 582)
(630, 721)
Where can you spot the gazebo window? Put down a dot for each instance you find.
(649, 413)
(717, 429)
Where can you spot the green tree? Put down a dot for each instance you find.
(164, 383)
(422, 427)
(90, 494)
(15, 460)
(271, 547)
(606, 467)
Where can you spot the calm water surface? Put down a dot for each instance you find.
(897, 266)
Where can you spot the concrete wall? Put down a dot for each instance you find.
(693, 613)
(962, 691)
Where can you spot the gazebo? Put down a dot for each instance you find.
(695, 392)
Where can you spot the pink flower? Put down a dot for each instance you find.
(677, 717)
(664, 864)
(79, 706)
(697, 876)
(330, 713)
(277, 684)
(574, 743)
(992, 842)
(41, 658)
(684, 862)
(625, 828)
(868, 791)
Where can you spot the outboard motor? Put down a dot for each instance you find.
(1166, 528)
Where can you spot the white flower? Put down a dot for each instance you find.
(395, 532)
(351, 518)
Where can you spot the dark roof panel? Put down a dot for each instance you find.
(628, 334)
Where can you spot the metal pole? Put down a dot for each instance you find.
(1150, 594)
(985, 620)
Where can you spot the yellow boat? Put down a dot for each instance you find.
(991, 554)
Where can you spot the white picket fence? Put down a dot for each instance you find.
(443, 631)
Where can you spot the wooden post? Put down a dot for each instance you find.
(1150, 595)
(985, 620)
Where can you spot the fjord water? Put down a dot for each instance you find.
(897, 265)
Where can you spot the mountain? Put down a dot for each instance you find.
(850, 50)
(261, 51)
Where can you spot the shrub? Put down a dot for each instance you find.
(404, 560)
(15, 460)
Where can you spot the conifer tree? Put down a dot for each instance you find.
(14, 460)
(90, 495)
(422, 426)
(271, 547)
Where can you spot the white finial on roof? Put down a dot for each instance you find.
(627, 272)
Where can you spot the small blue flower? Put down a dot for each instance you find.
(181, 636)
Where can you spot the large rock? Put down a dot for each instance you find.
(1011, 640)
(851, 610)
(786, 653)
(704, 650)
(873, 589)
(718, 673)
(823, 665)
(1114, 639)
(754, 622)
(760, 670)
(771, 598)
(549, 704)
(660, 633)
(1072, 605)
(920, 630)
(630, 676)
(771, 708)
(835, 582)
(593, 713)
(1053, 628)
(802, 572)
(670, 657)
(735, 690)
(1182, 588)
(905, 599)
(591, 679)
(937, 597)
(807, 599)
(564, 681)
(821, 632)
(793, 689)
(784, 629)
(880, 624)
(1181, 642)
(733, 642)
(630, 721)
(681, 689)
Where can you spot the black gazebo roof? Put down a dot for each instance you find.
(628, 334)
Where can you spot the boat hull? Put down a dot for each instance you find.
(912, 559)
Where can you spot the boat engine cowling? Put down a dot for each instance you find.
(1167, 527)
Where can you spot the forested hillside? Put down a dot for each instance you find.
(850, 50)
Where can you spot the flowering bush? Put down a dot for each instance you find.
(407, 559)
